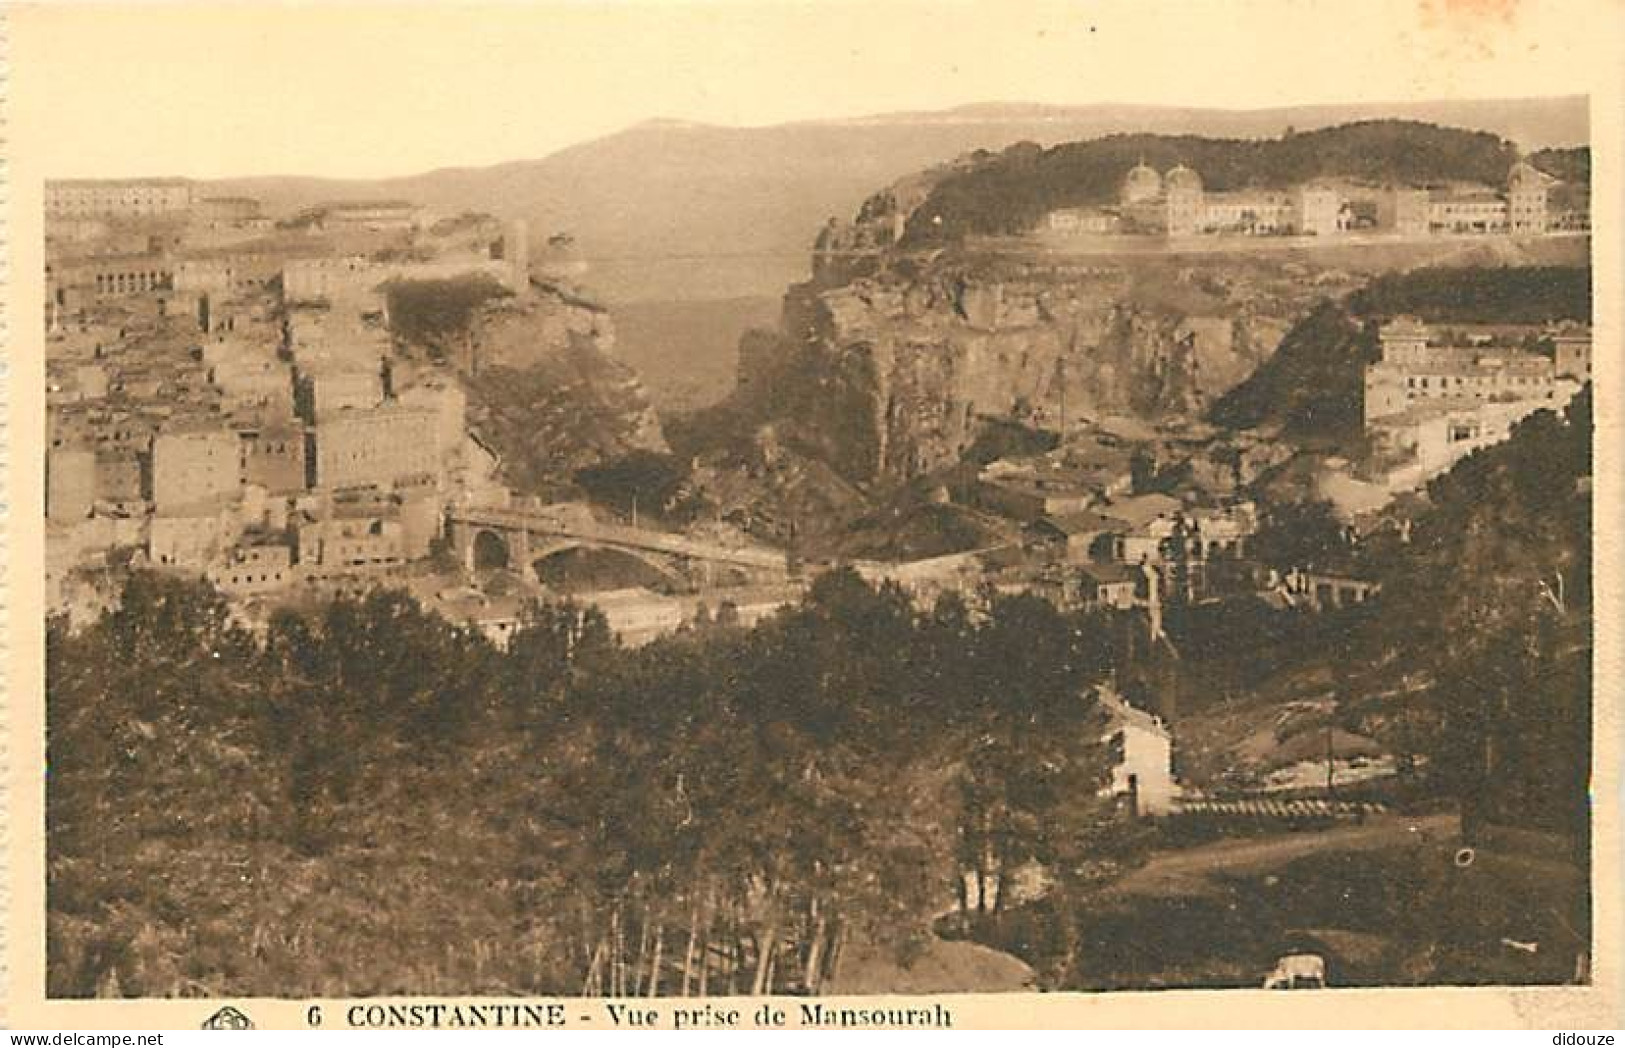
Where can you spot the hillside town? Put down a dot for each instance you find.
(254, 401)
(226, 401)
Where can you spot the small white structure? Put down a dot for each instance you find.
(1144, 751)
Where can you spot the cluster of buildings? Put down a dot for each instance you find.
(226, 400)
(1440, 392)
(1080, 506)
(241, 458)
(1084, 537)
(240, 414)
(120, 199)
(1176, 203)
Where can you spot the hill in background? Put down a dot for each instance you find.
(1011, 192)
(673, 211)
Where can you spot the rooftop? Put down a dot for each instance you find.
(114, 183)
(1084, 523)
(1139, 510)
(1108, 574)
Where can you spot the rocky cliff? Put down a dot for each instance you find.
(545, 390)
(895, 374)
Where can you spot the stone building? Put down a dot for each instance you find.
(381, 447)
(225, 209)
(1178, 204)
(1467, 211)
(121, 476)
(70, 483)
(375, 215)
(1524, 207)
(251, 571)
(1318, 210)
(1252, 212)
(350, 544)
(449, 403)
(191, 541)
(1082, 220)
(333, 391)
(1526, 198)
(274, 458)
(194, 468)
(1184, 194)
(317, 279)
(1114, 586)
(1404, 211)
(110, 276)
(1438, 394)
(1571, 351)
(117, 197)
(1142, 185)
(1423, 366)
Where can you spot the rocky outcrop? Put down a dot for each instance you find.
(545, 390)
(522, 331)
(894, 375)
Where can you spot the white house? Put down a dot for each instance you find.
(1144, 751)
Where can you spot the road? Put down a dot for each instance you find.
(1189, 870)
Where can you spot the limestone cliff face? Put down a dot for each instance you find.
(545, 390)
(895, 374)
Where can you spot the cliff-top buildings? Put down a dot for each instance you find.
(1177, 203)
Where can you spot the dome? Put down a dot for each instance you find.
(1183, 177)
(1142, 183)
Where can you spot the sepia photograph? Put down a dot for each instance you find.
(520, 528)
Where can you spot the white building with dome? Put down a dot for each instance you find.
(1177, 203)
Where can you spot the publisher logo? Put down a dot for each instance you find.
(228, 1018)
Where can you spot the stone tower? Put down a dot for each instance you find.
(1186, 202)
(1526, 199)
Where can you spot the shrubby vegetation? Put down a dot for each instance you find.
(1480, 295)
(1491, 606)
(426, 312)
(371, 800)
(1571, 165)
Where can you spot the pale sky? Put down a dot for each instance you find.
(369, 90)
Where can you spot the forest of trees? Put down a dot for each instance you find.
(1491, 602)
(371, 800)
(1010, 192)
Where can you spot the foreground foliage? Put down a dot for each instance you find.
(370, 800)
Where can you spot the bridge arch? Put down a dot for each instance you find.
(568, 564)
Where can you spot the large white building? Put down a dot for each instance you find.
(116, 197)
(1179, 204)
(1440, 393)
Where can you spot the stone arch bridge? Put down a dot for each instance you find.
(520, 538)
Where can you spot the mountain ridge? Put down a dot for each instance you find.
(670, 209)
